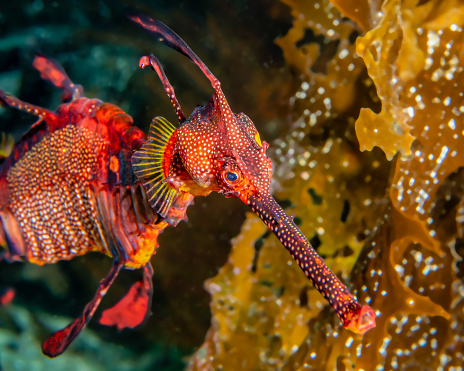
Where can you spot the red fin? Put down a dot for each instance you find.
(60, 340)
(134, 308)
(6, 296)
(130, 311)
(52, 71)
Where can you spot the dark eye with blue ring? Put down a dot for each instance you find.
(231, 177)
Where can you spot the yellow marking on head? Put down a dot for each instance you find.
(258, 139)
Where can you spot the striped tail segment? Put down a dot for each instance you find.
(152, 162)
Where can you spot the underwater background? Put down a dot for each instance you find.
(362, 104)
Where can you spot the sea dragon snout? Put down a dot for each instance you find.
(217, 150)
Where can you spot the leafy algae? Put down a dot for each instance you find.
(389, 221)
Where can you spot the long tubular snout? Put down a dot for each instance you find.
(353, 316)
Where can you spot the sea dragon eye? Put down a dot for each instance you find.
(231, 176)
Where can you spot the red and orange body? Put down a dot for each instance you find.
(67, 188)
(64, 184)
(85, 179)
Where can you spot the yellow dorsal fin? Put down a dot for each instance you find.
(151, 165)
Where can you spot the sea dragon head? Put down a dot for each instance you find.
(222, 151)
(217, 150)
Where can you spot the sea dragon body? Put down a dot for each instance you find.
(85, 179)
(67, 188)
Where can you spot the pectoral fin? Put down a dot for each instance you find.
(151, 165)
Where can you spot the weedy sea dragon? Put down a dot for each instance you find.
(85, 179)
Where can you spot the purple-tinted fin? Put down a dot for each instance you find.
(57, 343)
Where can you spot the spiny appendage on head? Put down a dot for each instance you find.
(214, 143)
(222, 151)
(155, 64)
